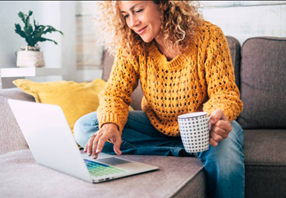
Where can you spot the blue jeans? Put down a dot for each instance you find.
(223, 164)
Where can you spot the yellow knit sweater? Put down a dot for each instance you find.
(201, 79)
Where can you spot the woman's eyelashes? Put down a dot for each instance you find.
(138, 11)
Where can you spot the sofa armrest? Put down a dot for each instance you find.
(11, 137)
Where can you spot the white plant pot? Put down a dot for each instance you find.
(30, 59)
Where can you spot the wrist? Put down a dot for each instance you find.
(110, 124)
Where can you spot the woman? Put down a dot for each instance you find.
(184, 65)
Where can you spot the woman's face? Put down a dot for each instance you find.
(143, 17)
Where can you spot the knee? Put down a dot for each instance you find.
(236, 134)
(228, 153)
(235, 126)
(225, 162)
(84, 127)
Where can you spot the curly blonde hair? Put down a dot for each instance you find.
(180, 22)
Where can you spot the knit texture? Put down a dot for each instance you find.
(201, 79)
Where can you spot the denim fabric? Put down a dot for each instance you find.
(223, 164)
(138, 136)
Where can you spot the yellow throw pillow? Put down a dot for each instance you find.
(75, 99)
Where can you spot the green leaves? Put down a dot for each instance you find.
(19, 31)
(33, 35)
(22, 16)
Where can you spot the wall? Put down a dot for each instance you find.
(46, 13)
(60, 15)
(244, 19)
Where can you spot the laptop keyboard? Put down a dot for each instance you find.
(97, 169)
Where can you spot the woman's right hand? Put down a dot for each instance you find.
(109, 131)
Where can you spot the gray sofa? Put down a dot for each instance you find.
(260, 68)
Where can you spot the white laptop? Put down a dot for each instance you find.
(52, 144)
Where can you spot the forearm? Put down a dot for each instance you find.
(116, 97)
(222, 91)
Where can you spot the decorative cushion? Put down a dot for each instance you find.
(75, 99)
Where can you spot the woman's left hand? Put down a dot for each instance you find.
(220, 127)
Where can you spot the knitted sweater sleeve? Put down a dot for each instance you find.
(222, 90)
(115, 98)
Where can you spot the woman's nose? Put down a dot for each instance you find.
(133, 21)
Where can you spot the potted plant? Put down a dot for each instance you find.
(30, 55)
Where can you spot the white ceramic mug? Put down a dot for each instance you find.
(194, 131)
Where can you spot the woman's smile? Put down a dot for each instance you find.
(141, 31)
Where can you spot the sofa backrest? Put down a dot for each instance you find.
(263, 83)
(137, 95)
(235, 48)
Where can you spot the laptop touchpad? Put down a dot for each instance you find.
(113, 161)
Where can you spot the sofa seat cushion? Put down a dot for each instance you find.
(265, 163)
(265, 147)
(21, 176)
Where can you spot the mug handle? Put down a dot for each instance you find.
(210, 126)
